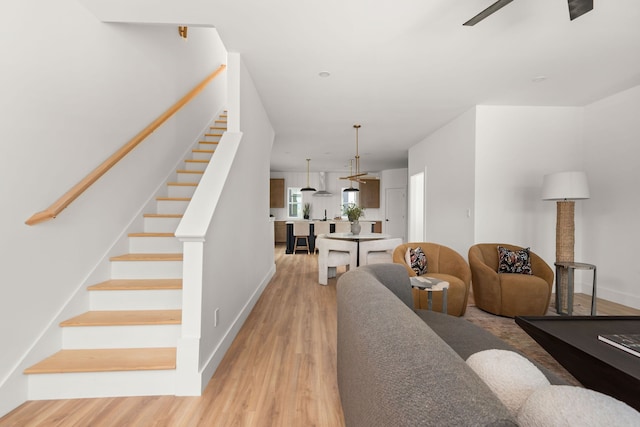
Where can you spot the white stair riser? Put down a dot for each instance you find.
(160, 299)
(171, 206)
(196, 166)
(156, 245)
(206, 146)
(146, 269)
(201, 156)
(181, 190)
(101, 384)
(160, 225)
(135, 336)
(189, 177)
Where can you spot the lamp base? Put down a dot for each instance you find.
(565, 243)
(565, 231)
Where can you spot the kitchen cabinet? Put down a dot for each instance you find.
(370, 193)
(280, 231)
(276, 193)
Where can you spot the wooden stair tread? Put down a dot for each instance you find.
(174, 199)
(209, 142)
(196, 161)
(203, 151)
(183, 184)
(106, 360)
(136, 284)
(152, 235)
(213, 135)
(147, 257)
(155, 215)
(125, 318)
(190, 171)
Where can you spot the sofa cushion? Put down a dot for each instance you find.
(465, 338)
(510, 376)
(569, 406)
(518, 261)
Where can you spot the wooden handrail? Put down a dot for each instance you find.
(68, 197)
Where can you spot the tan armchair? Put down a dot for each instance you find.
(509, 294)
(445, 264)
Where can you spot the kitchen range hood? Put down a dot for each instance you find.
(322, 192)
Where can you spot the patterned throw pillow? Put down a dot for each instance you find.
(417, 260)
(514, 261)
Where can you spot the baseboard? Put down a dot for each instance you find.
(618, 297)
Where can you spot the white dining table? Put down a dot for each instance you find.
(357, 238)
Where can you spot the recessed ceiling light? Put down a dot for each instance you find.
(324, 74)
(539, 79)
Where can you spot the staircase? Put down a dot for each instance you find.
(126, 344)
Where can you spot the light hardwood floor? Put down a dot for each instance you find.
(279, 371)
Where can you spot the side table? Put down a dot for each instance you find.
(431, 285)
(569, 268)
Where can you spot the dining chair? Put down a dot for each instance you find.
(334, 253)
(319, 228)
(378, 251)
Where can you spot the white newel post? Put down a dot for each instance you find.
(188, 378)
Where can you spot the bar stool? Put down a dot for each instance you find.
(300, 231)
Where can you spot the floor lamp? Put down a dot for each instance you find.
(565, 188)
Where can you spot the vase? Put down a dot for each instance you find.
(355, 227)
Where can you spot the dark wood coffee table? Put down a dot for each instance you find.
(573, 342)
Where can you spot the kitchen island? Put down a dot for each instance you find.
(312, 239)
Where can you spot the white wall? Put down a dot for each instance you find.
(611, 229)
(515, 148)
(447, 156)
(73, 91)
(239, 258)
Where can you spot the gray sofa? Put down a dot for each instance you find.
(403, 367)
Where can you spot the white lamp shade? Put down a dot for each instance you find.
(565, 186)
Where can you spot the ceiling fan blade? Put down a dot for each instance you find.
(488, 11)
(577, 8)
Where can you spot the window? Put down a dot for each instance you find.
(294, 202)
(348, 197)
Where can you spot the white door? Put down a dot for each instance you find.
(396, 212)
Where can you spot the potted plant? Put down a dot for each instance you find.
(353, 213)
(306, 211)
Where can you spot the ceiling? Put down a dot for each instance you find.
(405, 68)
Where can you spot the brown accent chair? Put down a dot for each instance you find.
(509, 294)
(445, 264)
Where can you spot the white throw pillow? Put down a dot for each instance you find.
(562, 405)
(510, 376)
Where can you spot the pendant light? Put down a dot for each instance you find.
(308, 187)
(357, 127)
(358, 175)
(351, 188)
